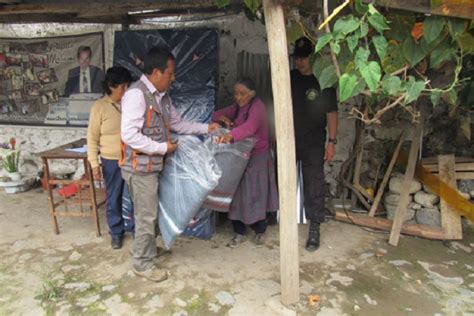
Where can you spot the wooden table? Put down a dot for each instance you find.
(88, 198)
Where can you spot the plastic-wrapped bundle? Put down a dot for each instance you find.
(127, 210)
(232, 159)
(202, 225)
(188, 176)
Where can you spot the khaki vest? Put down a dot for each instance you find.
(156, 126)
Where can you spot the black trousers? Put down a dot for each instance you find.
(259, 227)
(312, 161)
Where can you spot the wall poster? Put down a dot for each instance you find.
(50, 80)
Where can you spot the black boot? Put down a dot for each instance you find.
(312, 244)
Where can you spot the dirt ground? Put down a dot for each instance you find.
(355, 272)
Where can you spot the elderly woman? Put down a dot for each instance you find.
(257, 192)
(103, 138)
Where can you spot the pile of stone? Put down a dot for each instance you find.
(423, 207)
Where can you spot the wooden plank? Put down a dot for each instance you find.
(454, 8)
(418, 230)
(461, 166)
(404, 194)
(450, 220)
(386, 177)
(280, 70)
(434, 160)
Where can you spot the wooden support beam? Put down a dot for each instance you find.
(386, 176)
(280, 70)
(404, 194)
(454, 8)
(450, 220)
(386, 224)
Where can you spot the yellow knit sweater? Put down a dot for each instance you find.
(103, 132)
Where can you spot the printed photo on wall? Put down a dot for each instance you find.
(33, 88)
(53, 95)
(27, 69)
(16, 95)
(13, 59)
(17, 82)
(3, 60)
(39, 60)
(46, 76)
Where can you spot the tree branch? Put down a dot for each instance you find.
(333, 56)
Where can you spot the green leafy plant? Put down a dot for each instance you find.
(50, 292)
(391, 60)
(11, 161)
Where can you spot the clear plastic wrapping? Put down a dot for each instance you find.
(188, 176)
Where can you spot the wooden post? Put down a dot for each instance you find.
(280, 70)
(409, 172)
(450, 220)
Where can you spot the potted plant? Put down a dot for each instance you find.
(10, 162)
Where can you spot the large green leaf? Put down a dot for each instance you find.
(222, 3)
(371, 73)
(394, 59)
(253, 5)
(380, 44)
(414, 90)
(361, 57)
(347, 84)
(378, 23)
(440, 54)
(414, 52)
(335, 47)
(432, 28)
(361, 7)
(293, 31)
(352, 42)
(364, 29)
(328, 77)
(451, 96)
(319, 64)
(466, 42)
(372, 9)
(435, 96)
(456, 26)
(400, 26)
(391, 84)
(346, 25)
(323, 41)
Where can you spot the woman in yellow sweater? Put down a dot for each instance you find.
(103, 138)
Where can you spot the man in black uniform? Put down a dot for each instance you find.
(313, 110)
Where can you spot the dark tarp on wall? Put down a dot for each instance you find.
(196, 52)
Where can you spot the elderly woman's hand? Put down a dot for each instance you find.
(226, 121)
(225, 139)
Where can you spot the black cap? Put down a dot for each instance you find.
(303, 47)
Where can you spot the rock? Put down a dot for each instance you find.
(426, 189)
(428, 216)
(414, 206)
(275, 307)
(75, 256)
(225, 298)
(306, 288)
(77, 286)
(214, 308)
(396, 183)
(108, 288)
(466, 185)
(426, 199)
(179, 302)
(391, 209)
(467, 196)
(369, 300)
(115, 306)
(393, 199)
(154, 303)
(86, 301)
(181, 313)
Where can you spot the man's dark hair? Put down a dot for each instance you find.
(157, 57)
(84, 49)
(114, 77)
